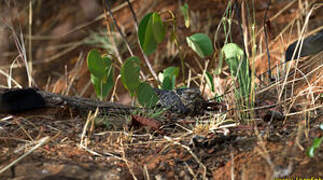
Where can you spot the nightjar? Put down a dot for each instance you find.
(185, 101)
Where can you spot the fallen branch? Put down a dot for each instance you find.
(19, 100)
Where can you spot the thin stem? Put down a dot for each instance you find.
(122, 35)
(118, 28)
(266, 39)
(142, 52)
(30, 64)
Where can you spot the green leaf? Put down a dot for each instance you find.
(239, 67)
(101, 70)
(209, 80)
(108, 67)
(151, 31)
(232, 51)
(316, 144)
(146, 95)
(171, 71)
(96, 64)
(130, 72)
(146, 39)
(169, 77)
(102, 88)
(201, 44)
(157, 27)
(167, 83)
(184, 11)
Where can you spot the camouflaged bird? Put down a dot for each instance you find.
(185, 101)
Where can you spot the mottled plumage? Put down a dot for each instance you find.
(186, 101)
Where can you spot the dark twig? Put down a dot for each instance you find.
(118, 28)
(133, 13)
(120, 32)
(266, 39)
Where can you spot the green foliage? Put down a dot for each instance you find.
(96, 64)
(130, 72)
(168, 83)
(184, 11)
(146, 95)
(101, 70)
(209, 80)
(169, 77)
(171, 71)
(218, 98)
(201, 44)
(316, 144)
(239, 68)
(102, 88)
(158, 28)
(151, 32)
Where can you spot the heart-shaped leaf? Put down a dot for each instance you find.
(157, 27)
(130, 72)
(102, 88)
(146, 95)
(201, 44)
(96, 64)
(169, 77)
(239, 67)
(151, 31)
